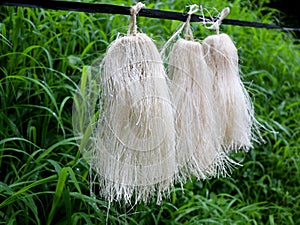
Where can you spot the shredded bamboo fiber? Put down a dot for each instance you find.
(152, 131)
(235, 114)
(198, 148)
(124, 119)
(134, 153)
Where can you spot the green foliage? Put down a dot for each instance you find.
(45, 180)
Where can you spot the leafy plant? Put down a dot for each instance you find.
(45, 180)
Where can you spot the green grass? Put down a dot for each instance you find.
(45, 180)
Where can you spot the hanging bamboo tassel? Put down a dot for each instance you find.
(198, 149)
(134, 153)
(235, 114)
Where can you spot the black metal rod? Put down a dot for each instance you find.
(125, 10)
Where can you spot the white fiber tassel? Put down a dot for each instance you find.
(134, 151)
(197, 146)
(198, 149)
(235, 113)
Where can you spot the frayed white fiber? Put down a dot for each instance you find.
(198, 149)
(198, 146)
(134, 151)
(235, 114)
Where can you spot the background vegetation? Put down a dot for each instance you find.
(44, 180)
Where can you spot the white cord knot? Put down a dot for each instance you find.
(136, 8)
(216, 25)
(134, 11)
(188, 32)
